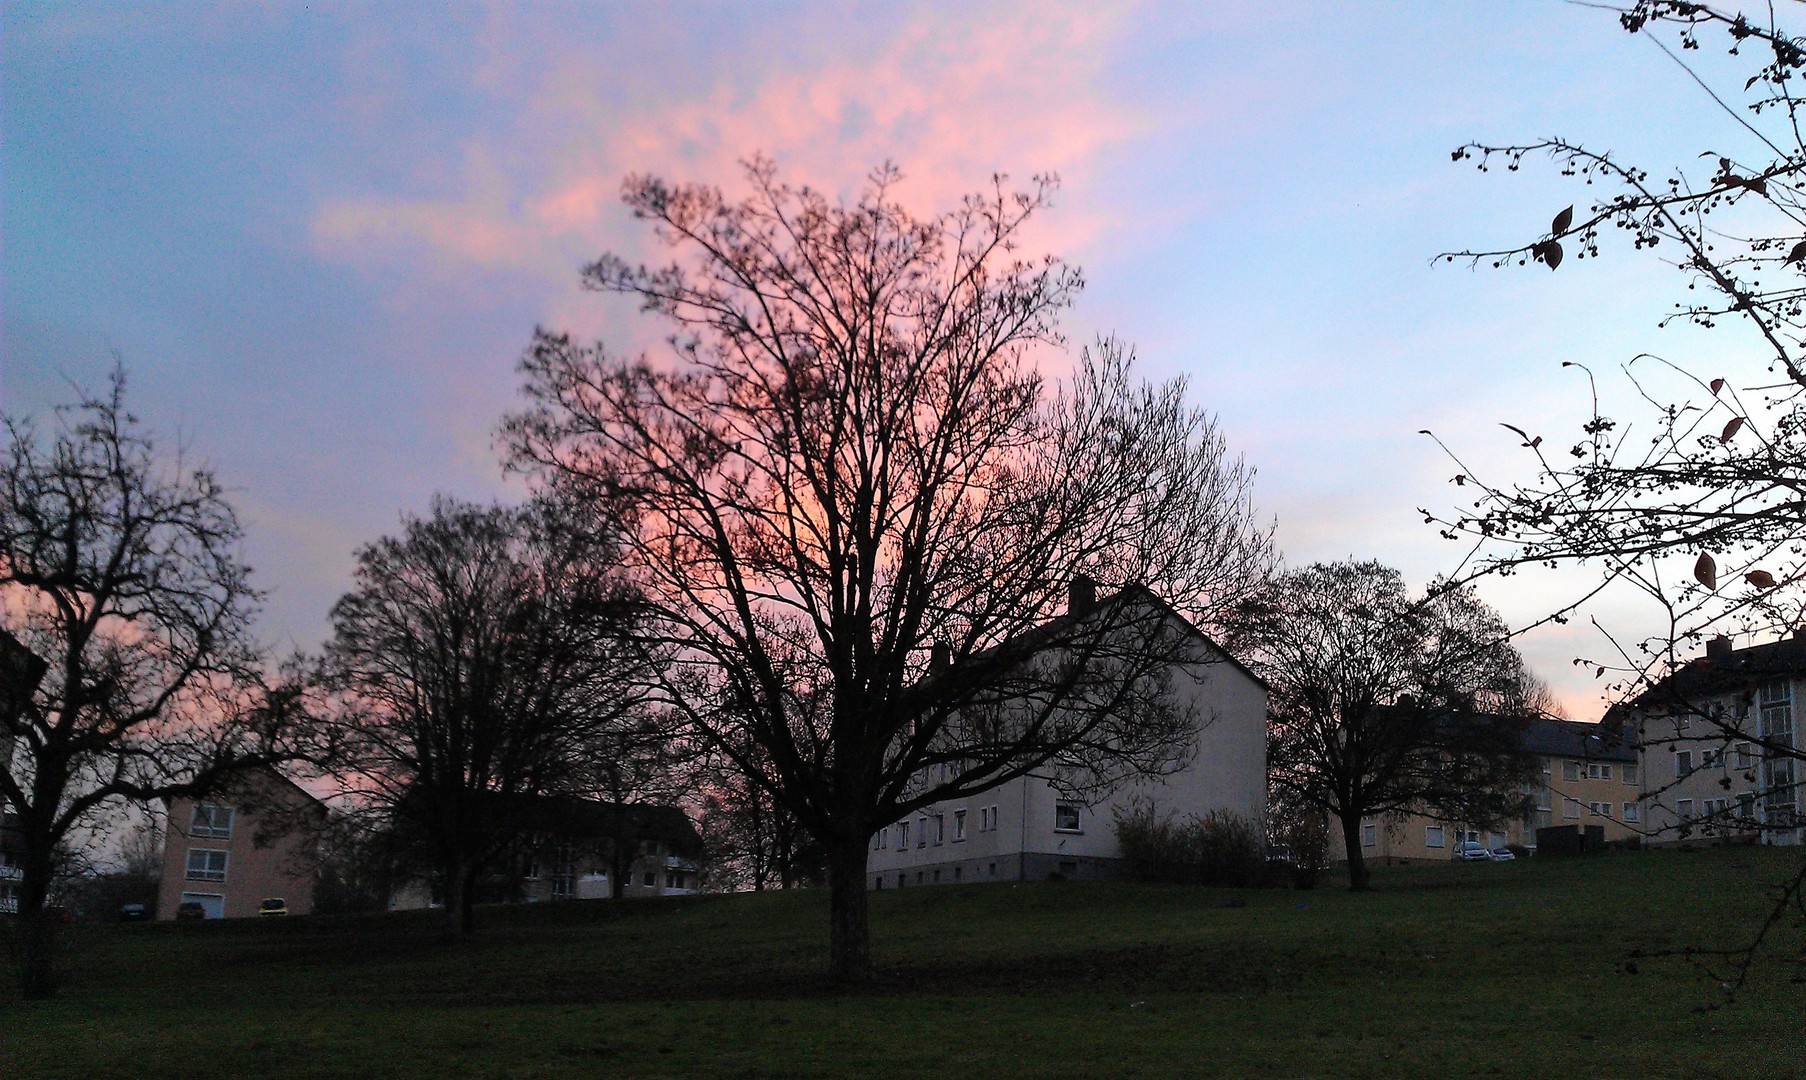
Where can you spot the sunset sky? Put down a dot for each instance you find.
(319, 235)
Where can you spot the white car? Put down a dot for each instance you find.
(1501, 854)
(1472, 851)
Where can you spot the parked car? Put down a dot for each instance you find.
(1472, 851)
(133, 913)
(190, 909)
(273, 905)
(1501, 854)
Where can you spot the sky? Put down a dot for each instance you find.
(318, 236)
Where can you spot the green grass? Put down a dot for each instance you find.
(1491, 970)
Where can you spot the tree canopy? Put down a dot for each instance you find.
(120, 570)
(848, 473)
(1385, 702)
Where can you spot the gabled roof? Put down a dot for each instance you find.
(1049, 632)
(575, 818)
(1572, 739)
(1730, 669)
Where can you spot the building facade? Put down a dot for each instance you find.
(253, 841)
(1027, 830)
(576, 849)
(1718, 744)
(10, 871)
(1583, 775)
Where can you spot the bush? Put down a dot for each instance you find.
(1218, 848)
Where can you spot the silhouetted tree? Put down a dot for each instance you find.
(642, 757)
(120, 569)
(752, 840)
(480, 656)
(1383, 702)
(849, 459)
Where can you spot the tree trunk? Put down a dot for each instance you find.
(36, 930)
(850, 934)
(619, 866)
(1359, 880)
(460, 888)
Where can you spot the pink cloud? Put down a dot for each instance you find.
(950, 94)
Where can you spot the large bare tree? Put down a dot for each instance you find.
(848, 464)
(480, 661)
(120, 569)
(1385, 702)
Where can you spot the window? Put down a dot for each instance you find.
(206, 864)
(1630, 773)
(1746, 807)
(1432, 836)
(902, 835)
(564, 873)
(1684, 809)
(901, 881)
(1369, 835)
(1570, 808)
(671, 879)
(650, 880)
(1570, 770)
(1597, 771)
(1711, 756)
(956, 873)
(211, 821)
(1683, 763)
(1630, 812)
(922, 831)
(1066, 817)
(532, 873)
(1745, 759)
(878, 839)
(940, 829)
(1599, 809)
(959, 825)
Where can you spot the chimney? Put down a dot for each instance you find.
(1718, 649)
(1081, 595)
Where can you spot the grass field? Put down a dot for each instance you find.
(1514, 969)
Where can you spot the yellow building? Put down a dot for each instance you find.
(1586, 776)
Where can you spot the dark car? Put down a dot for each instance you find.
(190, 909)
(133, 913)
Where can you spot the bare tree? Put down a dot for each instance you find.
(120, 568)
(752, 841)
(1382, 702)
(641, 757)
(1697, 503)
(1697, 499)
(848, 461)
(480, 656)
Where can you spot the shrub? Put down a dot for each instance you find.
(1218, 848)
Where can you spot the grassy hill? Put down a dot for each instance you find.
(1514, 969)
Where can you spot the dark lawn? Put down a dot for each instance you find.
(1513, 969)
